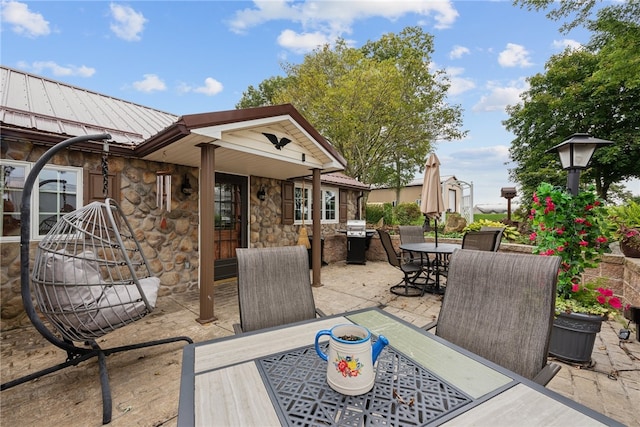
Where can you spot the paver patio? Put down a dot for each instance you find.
(145, 383)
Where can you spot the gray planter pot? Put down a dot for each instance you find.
(573, 336)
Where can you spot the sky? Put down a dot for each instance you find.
(187, 57)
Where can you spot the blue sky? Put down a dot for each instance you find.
(187, 57)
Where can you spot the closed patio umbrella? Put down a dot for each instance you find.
(432, 204)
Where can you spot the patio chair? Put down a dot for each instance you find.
(500, 306)
(411, 270)
(411, 234)
(274, 287)
(500, 231)
(481, 240)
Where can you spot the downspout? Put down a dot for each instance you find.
(358, 201)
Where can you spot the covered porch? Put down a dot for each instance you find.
(267, 142)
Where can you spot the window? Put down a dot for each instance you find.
(303, 205)
(56, 192)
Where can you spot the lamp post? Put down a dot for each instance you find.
(575, 154)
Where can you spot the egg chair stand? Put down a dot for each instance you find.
(90, 277)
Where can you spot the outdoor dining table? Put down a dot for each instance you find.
(441, 251)
(274, 377)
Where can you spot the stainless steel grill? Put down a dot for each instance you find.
(356, 228)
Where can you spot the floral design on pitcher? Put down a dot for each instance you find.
(348, 366)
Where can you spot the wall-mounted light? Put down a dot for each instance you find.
(163, 190)
(186, 186)
(262, 195)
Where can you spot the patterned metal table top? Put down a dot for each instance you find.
(404, 394)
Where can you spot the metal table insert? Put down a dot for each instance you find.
(404, 394)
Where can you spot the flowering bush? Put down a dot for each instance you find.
(575, 229)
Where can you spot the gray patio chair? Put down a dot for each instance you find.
(500, 306)
(480, 240)
(411, 234)
(274, 287)
(500, 231)
(411, 270)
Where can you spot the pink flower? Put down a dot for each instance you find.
(583, 243)
(535, 198)
(605, 292)
(580, 220)
(560, 248)
(533, 236)
(601, 239)
(549, 252)
(575, 287)
(615, 303)
(596, 203)
(560, 231)
(601, 299)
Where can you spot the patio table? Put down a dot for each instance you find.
(273, 377)
(441, 251)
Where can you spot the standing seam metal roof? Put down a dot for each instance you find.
(34, 102)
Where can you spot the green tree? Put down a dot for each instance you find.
(379, 105)
(263, 95)
(582, 91)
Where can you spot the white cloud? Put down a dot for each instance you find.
(514, 55)
(501, 96)
(301, 43)
(59, 70)
(128, 23)
(24, 21)
(211, 87)
(151, 83)
(566, 43)
(458, 84)
(458, 51)
(328, 20)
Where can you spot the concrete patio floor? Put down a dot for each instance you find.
(145, 383)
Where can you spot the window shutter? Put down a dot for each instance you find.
(93, 184)
(343, 205)
(287, 202)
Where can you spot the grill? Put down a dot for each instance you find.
(356, 242)
(356, 228)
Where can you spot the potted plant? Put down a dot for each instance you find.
(575, 229)
(626, 219)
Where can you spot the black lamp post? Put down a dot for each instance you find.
(575, 154)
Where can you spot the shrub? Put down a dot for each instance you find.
(407, 213)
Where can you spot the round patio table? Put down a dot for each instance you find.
(439, 263)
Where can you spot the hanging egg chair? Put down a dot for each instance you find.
(90, 277)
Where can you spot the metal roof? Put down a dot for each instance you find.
(33, 102)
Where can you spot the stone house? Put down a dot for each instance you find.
(238, 178)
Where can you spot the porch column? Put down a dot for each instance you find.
(207, 244)
(316, 248)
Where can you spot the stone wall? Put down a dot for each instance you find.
(171, 246)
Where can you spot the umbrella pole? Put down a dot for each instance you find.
(435, 222)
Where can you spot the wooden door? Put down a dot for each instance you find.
(230, 228)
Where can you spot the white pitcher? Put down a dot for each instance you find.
(351, 358)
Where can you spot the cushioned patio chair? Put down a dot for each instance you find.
(481, 240)
(411, 270)
(500, 231)
(274, 287)
(500, 306)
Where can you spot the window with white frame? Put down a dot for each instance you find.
(303, 204)
(57, 190)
